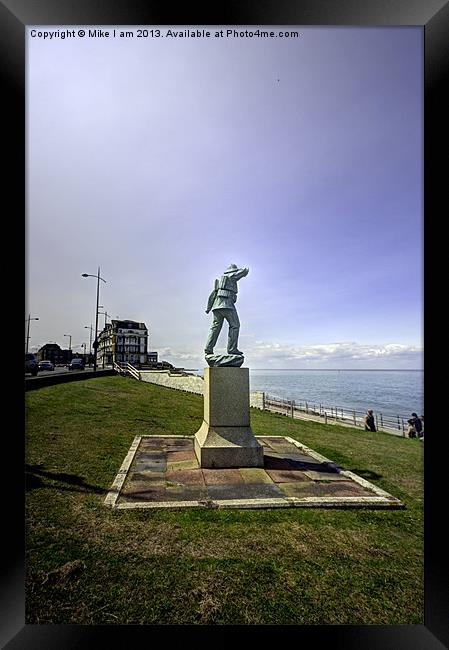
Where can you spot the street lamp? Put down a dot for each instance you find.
(88, 275)
(87, 327)
(70, 347)
(28, 331)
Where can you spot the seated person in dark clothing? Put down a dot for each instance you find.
(421, 435)
(415, 428)
(369, 421)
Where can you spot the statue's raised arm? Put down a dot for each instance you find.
(222, 303)
(238, 273)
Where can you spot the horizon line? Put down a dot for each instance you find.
(355, 369)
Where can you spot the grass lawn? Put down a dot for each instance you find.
(89, 564)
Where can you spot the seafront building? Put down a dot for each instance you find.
(52, 352)
(124, 341)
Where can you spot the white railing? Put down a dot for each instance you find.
(332, 414)
(125, 368)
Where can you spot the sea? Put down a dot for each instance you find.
(395, 392)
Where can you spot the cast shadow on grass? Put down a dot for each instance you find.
(35, 477)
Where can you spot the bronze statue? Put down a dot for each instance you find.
(222, 303)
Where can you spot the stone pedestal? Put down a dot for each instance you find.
(225, 438)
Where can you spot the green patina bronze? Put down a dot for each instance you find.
(229, 360)
(222, 303)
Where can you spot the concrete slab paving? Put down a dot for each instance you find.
(254, 475)
(182, 464)
(186, 493)
(152, 466)
(185, 454)
(148, 478)
(287, 475)
(144, 494)
(185, 476)
(163, 471)
(152, 455)
(313, 489)
(222, 476)
(178, 445)
(152, 445)
(244, 491)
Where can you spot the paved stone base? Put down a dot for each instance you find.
(226, 447)
(164, 472)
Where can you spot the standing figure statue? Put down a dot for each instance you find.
(222, 303)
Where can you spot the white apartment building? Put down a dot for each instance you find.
(124, 340)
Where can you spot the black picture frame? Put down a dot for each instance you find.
(433, 17)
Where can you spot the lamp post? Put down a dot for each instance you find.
(70, 347)
(88, 275)
(87, 327)
(28, 331)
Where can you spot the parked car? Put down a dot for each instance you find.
(31, 364)
(46, 365)
(76, 364)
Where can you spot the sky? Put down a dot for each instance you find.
(162, 160)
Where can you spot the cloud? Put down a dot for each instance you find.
(269, 354)
(334, 354)
(180, 358)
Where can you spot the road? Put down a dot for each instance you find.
(61, 370)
